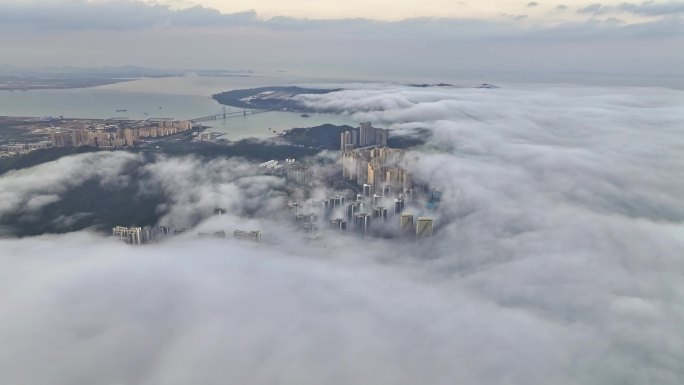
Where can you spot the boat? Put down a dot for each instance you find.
(120, 110)
(305, 115)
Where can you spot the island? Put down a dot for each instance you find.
(270, 98)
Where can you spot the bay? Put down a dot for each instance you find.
(182, 98)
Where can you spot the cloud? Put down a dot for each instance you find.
(556, 257)
(646, 8)
(652, 8)
(30, 190)
(595, 9)
(112, 15)
(239, 187)
(132, 15)
(29, 196)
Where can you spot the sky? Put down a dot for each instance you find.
(362, 38)
(556, 257)
(391, 10)
(545, 12)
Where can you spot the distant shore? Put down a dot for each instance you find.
(27, 84)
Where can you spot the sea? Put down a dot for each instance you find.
(182, 98)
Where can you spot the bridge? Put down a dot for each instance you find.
(229, 114)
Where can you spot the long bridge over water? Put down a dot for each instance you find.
(229, 114)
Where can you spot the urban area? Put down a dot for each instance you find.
(98, 133)
(369, 193)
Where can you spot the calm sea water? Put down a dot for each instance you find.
(179, 98)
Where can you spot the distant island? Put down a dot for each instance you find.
(425, 85)
(269, 98)
(43, 78)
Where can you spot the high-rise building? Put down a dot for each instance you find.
(130, 235)
(367, 190)
(219, 211)
(120, 232)
(376, 199)
(406, 224)
(306, 218)
(154, 233)
(363, 136)
(248, 235)
(351, 209)
(434, 199)
(362, 223)
(310, 228)
(387, 191)
(408, 194)
(293, 206)
(61, 139)
(424, 228)
(399, 205)
(338, 201)
(380, 213)
(338, 224)
(216, 234)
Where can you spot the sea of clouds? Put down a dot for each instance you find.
(557, 258)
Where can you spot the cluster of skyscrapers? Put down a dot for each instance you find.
(378, 167)
(364, 215)
(380, 190)
(363, 136)
(118, 137)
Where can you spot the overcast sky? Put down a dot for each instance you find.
(542, 11)
(372, 37)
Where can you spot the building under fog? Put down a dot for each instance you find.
(406, 224)
(362, 223)
(254, 236)
(424, 227)
(377, 167)
(338, 224)
(140, 235)
(129, 235)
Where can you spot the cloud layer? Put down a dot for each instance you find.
(631, 37)
(557, 258)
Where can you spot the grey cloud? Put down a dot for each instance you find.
(646, 8)
(111, 15)
(653, 8)
(595, 9)
(562, 7)
(18, 18)
(31, 189)
(234, 185)
(532, 4)
(239, 187)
